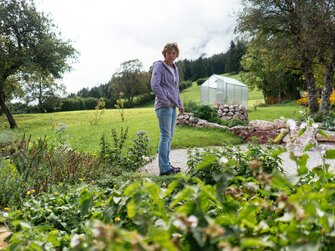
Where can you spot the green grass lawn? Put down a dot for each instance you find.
(86, 137)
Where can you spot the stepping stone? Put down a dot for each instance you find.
(4, 233)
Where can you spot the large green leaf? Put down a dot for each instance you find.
(330, 154)
(171, 187)
(301, 132)
(323, 133)
(132, 188)
(131, 208)
(206, 162)
(255, 243)
(85, 201)
(302, 164)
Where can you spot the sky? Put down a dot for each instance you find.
(107, 33)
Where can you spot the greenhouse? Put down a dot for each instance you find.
(222, 90)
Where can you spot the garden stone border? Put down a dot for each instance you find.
(280, 131)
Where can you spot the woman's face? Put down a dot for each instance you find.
(171, 55)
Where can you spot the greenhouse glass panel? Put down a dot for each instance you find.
(219, 89)
(237, 95)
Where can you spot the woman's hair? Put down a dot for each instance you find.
(170, 46)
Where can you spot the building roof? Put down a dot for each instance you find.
(214, 80)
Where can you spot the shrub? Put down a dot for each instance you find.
(240, 161)
(121, 156)
(11, 185)
(191, 106)
(7, 142)
(73, 104)
(91, 103)
(200, 81)
(206, 112)
(328, 122)
(184, 85)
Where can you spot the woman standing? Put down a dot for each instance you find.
(165, 85)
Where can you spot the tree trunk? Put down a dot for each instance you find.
(4, 108)
(327, 89)
(40, 98)
(311, 87)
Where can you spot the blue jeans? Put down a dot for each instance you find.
(167, 123)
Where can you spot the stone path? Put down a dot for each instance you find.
(4, 233)
(178, 157)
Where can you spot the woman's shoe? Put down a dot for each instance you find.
(171, 171)
(178, 169)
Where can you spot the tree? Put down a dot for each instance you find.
(131, 80)
(266, 70)
(29, 45)
(290, 28)
(326, 33)
(234, 55)
(44, 90)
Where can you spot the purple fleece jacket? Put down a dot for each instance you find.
(165, 88)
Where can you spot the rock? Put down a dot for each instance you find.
(4, 233)
(330, 138)
(193, 119)
(299, 143)
(261, 125)
(242, 131)
(263, 137)
(214, 125)
(279, 123)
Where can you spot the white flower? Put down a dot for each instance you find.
(75, 241)
(315, 125)
(223, 160)
(193, 220)
(145, 158)
(5, 214)
(96, 232)
(179, 224)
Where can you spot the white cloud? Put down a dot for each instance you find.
(107, 33)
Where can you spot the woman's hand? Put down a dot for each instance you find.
(181, 111)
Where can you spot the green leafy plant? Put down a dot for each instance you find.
(121, 156)
(191, 106)
(328, 122)
(7, 142)
(206, 112)
(51, 219)
(211, 161)
(11, 184)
